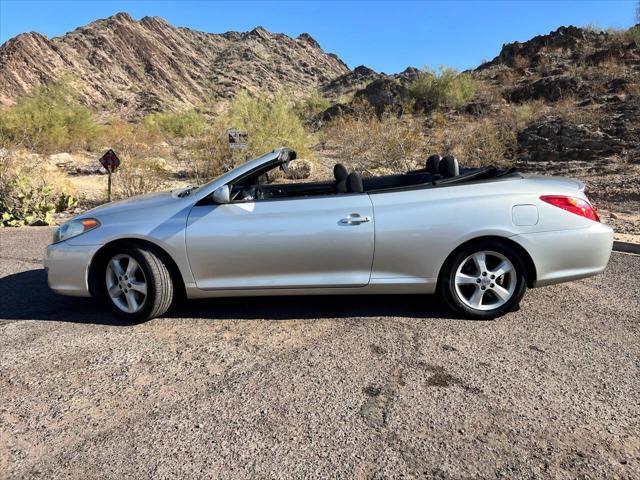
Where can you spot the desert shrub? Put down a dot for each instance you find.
(518, 116)
(622, 34)
(130, 140)
(633, 34)
(569, 109)
(475, 142)
(140, 176)
(210, 157)
(310, 106)
(29, 204)
(26, 199)
(271, 122)
(373, 145)
(48, 119)
(177, 124)
(444, 89)
(633, 89)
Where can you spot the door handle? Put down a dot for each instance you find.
(355, 219)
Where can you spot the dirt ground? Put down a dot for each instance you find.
(339, 387)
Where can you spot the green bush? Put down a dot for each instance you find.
(444, 89)
(270, 122)
(23, 203)
(177, 124)
(48, 119)
(310, 106)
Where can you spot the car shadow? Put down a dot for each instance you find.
(26, 296)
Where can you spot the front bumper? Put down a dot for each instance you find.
(566, 255)
(67, 268)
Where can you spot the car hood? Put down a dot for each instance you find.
(149, 200)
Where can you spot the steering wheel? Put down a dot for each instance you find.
(252, 192)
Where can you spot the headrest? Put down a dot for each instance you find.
(340, 172)
(354, 183)
(449, 166)
(433, 162)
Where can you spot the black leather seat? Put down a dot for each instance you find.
(340, 173)
(448, 166)
(354, 183)
(433, 164)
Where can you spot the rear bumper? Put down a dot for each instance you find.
(67, 268)
(566, 255)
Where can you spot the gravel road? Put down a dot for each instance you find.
(318, 387)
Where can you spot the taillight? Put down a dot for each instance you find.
(575, 205)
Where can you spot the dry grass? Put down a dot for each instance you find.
(210, 157)
(140, 176)
(633, 89)
(613, 66)
(568, 109)
(490, 140)
(473, 142)
(375, 146)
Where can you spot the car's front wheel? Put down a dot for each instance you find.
(137, 284)
(484, 280)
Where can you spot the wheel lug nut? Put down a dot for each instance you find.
(478, 280)
(483, 288)
(129, 285)
(492, 277)
(484, 274)
(492, 285)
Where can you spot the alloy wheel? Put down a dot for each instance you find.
(126, 283)
(485, 280)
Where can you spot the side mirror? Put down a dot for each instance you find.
(222, 194)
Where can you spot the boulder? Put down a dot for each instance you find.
(60, 159)
(384, 94)
(299, 169)
(332, 112)
(547, 88)
(557, 140)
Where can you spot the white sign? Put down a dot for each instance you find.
(237, 138)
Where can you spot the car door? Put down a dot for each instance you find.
(320, 241)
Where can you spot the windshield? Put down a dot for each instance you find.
(244, 167)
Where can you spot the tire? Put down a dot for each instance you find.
(136, 284)
(462, 282)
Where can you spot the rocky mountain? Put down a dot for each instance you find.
(132, 67)
(596, 74)
(587, 83)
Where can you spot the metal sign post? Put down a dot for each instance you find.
(110, 162)
(109, 186)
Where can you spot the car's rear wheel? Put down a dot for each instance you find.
(484, 280)
(137, 284)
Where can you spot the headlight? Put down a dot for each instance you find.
(74, 228)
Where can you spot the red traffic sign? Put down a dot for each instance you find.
(110, 161)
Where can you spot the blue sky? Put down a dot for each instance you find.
(387, 36)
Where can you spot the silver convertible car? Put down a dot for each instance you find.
(478, 236)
